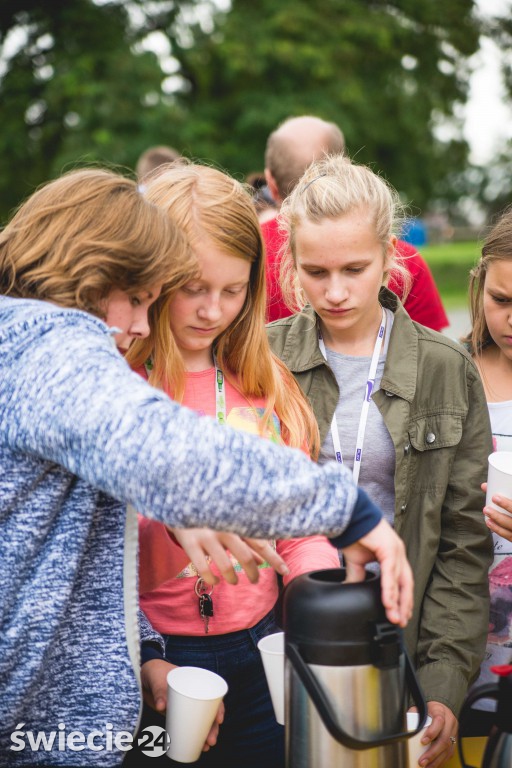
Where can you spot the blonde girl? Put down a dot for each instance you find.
(401, 406)
(208, 349)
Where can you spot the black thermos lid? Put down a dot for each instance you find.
(338, 624)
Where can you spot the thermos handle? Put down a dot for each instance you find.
(489, 691)
(324, 707)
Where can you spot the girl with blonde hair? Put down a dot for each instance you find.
(208, 349)
(401, 406)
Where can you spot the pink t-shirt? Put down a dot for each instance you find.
(173, 607)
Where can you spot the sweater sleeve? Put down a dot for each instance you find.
(152, 642)
(73, 401)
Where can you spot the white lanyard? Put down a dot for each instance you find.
(358, 454)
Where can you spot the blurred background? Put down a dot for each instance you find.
(420, 90)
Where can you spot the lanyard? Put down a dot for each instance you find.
(358, 454)
(220, 397)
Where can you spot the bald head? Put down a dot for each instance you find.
(294, 145)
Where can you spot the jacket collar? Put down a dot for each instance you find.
(302, 353)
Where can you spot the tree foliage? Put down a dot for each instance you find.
(74, 91)
(387, 71)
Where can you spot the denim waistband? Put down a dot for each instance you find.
(266, 626)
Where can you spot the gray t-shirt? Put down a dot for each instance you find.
(378, 462)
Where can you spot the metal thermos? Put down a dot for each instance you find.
(347, 676)
(498, 750)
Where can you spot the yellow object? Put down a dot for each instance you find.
(473, 753)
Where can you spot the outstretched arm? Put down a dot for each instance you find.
(73, 401)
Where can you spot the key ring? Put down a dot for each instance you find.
(201, 587)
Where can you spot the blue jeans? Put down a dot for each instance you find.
(249, 737)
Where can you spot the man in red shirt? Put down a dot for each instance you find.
(296, 143)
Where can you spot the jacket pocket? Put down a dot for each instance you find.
(438, 430)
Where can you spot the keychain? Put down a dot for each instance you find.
(205, 601)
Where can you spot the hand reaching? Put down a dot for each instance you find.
(200, 543)
(385, 546)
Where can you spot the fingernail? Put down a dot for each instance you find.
(284, 570)
(496, 499)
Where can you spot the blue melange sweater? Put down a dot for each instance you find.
(80, 437)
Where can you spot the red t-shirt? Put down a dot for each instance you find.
(423, 302)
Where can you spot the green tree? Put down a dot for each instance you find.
(74, 92)
(387, 71)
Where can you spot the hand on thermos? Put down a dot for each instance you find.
(385, 546)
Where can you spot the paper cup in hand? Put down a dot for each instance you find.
(499, 478)
(193, 698)
(271, 648)
(414, 746)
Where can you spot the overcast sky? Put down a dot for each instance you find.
(488, 113)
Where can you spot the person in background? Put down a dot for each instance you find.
(296, 143)
(402, 406)
(266, 207)
(151, 159)
(209, 351)
(490, 344)
(85, 442)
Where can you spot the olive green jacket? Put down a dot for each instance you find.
(433, 404)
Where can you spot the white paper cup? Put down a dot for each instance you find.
(499, 478)
(193, 698)
(271, 648)
(414, 746)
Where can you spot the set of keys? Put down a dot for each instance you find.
(204, 593)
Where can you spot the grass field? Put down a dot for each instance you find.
(450, 264)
